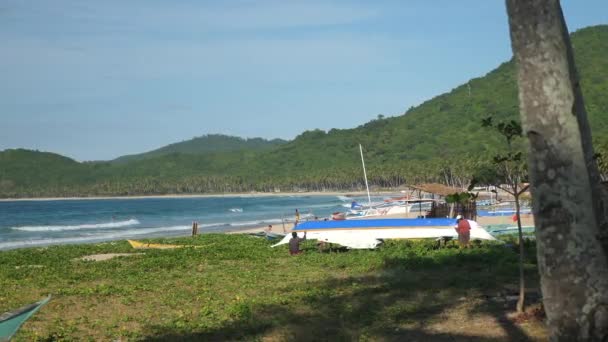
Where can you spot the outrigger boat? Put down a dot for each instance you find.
(368, 234)
(146, 245)
(272, 236)
(268, 235)
(392, 207)
(11, 321)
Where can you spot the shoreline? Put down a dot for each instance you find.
(255, 228)
(483, 221)
(175, 196)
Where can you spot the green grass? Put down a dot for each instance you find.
(240, 288)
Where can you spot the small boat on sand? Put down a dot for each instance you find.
(268, 235)
(272, 236)
(147, 245)
(257, 234)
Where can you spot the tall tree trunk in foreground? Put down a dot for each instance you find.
(568, 201)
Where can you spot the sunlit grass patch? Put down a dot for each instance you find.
(240, 288)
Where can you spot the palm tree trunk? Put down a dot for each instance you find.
(568, 203)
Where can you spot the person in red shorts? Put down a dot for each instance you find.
(514, 218)
(463, 228)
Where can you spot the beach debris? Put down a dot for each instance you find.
(107, 256)
(29, 266)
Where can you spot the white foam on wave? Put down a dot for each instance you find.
(87, 235)
(113, 224)
(92, 237)
(212, 225)
(246, 223)
(255, 223)
(322, 205)
(273, 221)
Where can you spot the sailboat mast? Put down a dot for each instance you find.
(369, 199)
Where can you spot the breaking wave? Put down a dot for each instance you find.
(93, 237)
(254, 223)
(113, 224)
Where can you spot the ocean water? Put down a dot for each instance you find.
(41, 223)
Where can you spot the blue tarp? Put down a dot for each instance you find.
(388, 223)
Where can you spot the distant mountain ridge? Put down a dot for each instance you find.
(440, 140)
(209, 143)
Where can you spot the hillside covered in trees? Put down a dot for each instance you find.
(440, 140)
(210, 143)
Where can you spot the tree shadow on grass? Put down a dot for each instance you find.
(404, 300)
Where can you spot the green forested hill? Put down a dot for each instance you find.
(32, 169)
(439, 140)
(210, 143)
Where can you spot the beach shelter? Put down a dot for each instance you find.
(11, 321)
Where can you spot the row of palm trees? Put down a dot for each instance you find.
(456, 174)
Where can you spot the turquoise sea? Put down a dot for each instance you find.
(41, 223)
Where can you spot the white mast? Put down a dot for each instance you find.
(369, 199)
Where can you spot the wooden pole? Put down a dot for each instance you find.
(194, 228)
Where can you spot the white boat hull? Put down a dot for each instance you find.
(370, 238)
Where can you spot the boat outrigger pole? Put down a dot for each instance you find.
(369, 199)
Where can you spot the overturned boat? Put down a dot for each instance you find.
(368, 234)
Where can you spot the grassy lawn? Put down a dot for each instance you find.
(238, 288)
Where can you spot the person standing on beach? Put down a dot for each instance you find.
(463, 228)
(294, 243)
(297, 218)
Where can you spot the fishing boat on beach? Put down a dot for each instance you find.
(503, 208)
(338, 216)
(147, 245)
(368, 234)
(273, 236)
(268, 235)
(390, 206)
(394, 207)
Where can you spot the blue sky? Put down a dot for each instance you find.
(99, 79)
